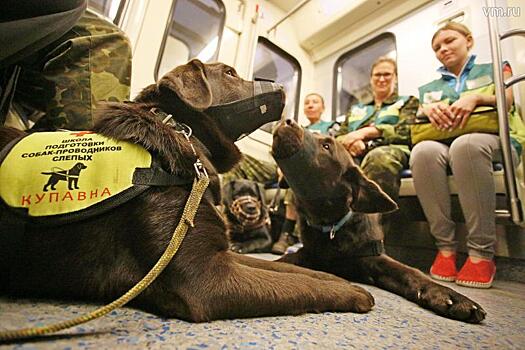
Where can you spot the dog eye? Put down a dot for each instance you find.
(230, 72)
(326, 146)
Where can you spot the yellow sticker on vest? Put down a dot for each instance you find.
(54, 173)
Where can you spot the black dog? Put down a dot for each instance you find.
(111, 251)
(246, 216)
(71, 176)
(340, 233)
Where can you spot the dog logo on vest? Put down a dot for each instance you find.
(71, 176)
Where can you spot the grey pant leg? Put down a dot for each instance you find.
(428, 162)
(471, 158)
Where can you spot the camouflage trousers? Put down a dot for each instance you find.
(384, 165)
(89, 64)
(252, 169)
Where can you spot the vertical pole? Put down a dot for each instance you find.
(501, 105)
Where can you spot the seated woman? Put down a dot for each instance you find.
(448, 102)
(376, 133)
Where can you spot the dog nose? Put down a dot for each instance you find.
(251, 208)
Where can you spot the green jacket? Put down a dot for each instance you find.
(479, 80)
(391, 118)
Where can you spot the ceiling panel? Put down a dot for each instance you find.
(285, 5)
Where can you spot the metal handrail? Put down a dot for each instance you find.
(514, 80)
(287, 15)
(512, 32)
(516, 210)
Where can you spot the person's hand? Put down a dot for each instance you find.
(357, 148)
(350, 138)
(462, 109)
(440, 115)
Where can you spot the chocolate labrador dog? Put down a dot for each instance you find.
(339, 221)
(100, 256)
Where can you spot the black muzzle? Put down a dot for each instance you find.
(240, 118)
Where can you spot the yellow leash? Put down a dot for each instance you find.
(188, 215)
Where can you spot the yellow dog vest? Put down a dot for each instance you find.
(60, 173)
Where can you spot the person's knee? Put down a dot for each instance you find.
(379, 157)
(425, 152)
(383, 164)
(470, 147)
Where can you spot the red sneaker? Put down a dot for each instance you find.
(444, 268)
(479, 275)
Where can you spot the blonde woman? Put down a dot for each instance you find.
(448, 102)
(375, 132)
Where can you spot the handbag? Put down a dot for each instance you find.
(483, 119)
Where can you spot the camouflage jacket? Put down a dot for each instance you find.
(391, 118)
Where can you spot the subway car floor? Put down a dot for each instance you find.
(394, 323)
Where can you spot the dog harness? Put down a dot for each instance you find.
(52, 177)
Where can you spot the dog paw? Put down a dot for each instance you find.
(236, 248)
(362, 301)
(449, 303)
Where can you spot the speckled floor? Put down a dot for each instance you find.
(394, 323)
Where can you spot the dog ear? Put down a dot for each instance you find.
(190, 85)
(227, 193)
(367, 196)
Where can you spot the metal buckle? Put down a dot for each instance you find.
(332, 232)
(185, 130)
(199, 168)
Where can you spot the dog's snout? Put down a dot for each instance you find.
(264, 86)
(251, 208)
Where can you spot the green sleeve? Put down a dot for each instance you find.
(343, 129)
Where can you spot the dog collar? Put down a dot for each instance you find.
(186, 131)
(335, 227)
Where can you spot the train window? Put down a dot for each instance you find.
(111, 9)
(352, 72)
(272, 62)
(194, 31)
